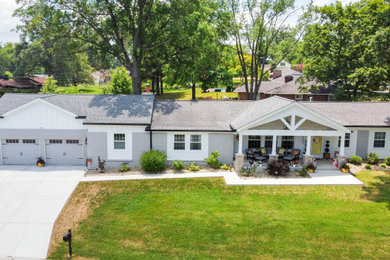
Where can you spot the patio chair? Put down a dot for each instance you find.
(250, 154)
(293, 155)
(265, 151)
(281, 152)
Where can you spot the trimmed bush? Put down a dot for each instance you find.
(368, 167)
(213, 161)
(383, 165)
(372, 158)
(277, 168)
(357, 160)
(387, 161)
(226, 167)
(124, 168)
(153, 161)
(193, 167)
(178, 165)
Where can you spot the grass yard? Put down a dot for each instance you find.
(186, 94)
(85, 89)
(202, 218)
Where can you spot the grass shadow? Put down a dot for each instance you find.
(378, 190)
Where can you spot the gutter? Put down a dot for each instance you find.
(192, 130)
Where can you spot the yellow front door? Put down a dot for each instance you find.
(316, 145)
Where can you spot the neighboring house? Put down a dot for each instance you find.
(34, 83)
(284, 83)
(69, 129)
(101, 76)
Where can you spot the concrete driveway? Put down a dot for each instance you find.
(31, 198)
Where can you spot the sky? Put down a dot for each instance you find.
(8, 23)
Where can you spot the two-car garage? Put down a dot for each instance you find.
(54, 151)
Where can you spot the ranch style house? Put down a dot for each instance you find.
(77, 129)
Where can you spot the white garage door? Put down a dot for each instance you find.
(64, 152)
(20, 151)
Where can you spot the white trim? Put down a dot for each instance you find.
(292, 133)
(36, 101)
(187, 154)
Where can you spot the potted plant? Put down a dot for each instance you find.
(311, 168)
(327, 154)
(294, 163)
(345, 168)
(40, 162)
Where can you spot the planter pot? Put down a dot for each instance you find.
(326, 155)
(344, 170)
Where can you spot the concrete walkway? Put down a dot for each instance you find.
(31, 198)
(321, 177)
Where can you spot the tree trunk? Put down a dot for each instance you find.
(153, 89)
(157, 85)
(161, 83)
(136, 77)
(193, 91)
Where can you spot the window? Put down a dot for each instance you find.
(72, 141)
(119, 141)
(347, 140)
(379, 139)
(55, 141)
(28, 141)
(254, 141)
(12, 141)
(196, 142)
(180, 143)
(288, 142)
(298, 97)
(268, 141)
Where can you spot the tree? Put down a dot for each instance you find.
(256, 27)
(49, 86)
(120, 82)
(7, 58)
(349, 47)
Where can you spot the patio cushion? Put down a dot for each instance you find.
(281, 150)
(263, 151)
(296, 152)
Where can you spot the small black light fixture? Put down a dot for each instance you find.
(68, 238)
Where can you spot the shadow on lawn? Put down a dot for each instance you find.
(379, 190)
(172, 95)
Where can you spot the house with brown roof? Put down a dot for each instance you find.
(33, 83)
(284, 83)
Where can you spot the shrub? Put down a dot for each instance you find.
(303, 172)
(226, 167)
(383, 165)
(357, 160)
(345, 166)
(311, 167)
(387, 161)
(368, 167)
(372, 158)
(193, 167)
(278, 168)
(49, 86)
(178, 165)
(124, 168)
(213, 161)
(248, 170)
(153, 161)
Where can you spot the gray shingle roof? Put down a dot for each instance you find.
(98, 109)
(259, 109)
(196, 115)
(354, 113)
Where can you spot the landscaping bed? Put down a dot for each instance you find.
(265, 174)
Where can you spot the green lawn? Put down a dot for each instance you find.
(202, 218)
(186, 94)
(85, 89)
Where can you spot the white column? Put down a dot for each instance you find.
(240, 137)
(342, 145)
(308, 145)
(274, 145)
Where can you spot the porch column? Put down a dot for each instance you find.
(308, 145)
(240, 137)
(274, 138)
(342, 145)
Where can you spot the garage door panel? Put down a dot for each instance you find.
(64, 152)
(20, 151)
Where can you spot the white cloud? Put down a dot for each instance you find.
(7, 22)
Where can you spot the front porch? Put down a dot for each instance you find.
(292, 133)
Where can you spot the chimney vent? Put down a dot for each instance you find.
(288, 78)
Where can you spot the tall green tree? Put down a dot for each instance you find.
(256, 26)
(348, 47)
